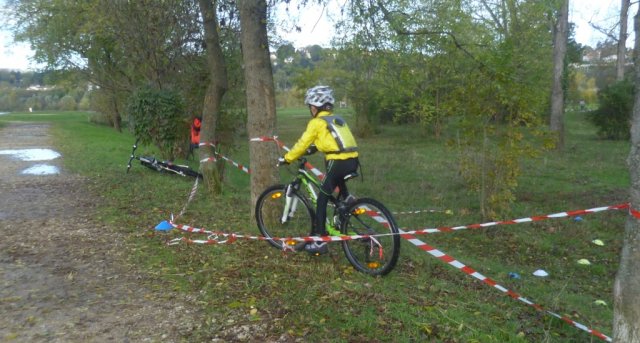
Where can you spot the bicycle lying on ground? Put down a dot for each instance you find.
(374, 249)
(161, 166)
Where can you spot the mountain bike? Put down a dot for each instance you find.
(286, 211)
(161, 166)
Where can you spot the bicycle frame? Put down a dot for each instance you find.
(153, 163)
(311, 187)
(366, 228)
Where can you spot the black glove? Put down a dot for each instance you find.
(282, 161)
(312, 149)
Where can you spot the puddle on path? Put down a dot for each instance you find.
(41, 169)
(32, 154)
(35, 155)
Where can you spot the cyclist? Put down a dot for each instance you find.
(330, 135)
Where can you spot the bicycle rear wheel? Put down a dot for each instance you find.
(376, 255)
(274, 223)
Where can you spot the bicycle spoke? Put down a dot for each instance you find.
(278, 219)
(378, 253)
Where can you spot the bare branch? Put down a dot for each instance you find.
(402, 31)
(493, 15)
(610, 33)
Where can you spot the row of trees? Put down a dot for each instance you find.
(20, 91)
(480, 68)
(484, 65)
(19, 79)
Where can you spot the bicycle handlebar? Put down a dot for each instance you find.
(132, 156)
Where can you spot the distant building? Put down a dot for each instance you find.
(39, 88)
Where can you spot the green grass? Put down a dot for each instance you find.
(423, 299)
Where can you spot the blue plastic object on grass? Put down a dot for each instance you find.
(513, 275)
(164, 226)
(578, 219)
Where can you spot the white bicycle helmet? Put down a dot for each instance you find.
(319, 96)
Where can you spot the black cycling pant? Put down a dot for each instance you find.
(334, 177)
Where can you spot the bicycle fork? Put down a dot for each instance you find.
(290, 204)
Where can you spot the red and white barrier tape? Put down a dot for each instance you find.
(235, 164)
(209, 144)
(191, 229)
(223, 157)
(408, 235)
(440, 255)
(425, 211)
(319, 174)
(518, 221)
(471, 272)
(269, 139)
(376, 216)
(192, 194)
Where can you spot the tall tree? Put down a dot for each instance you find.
(560, 32)
(494, 52)
(117, 45)
(626, 311)
(622, 39)
(261, 103)
(216, 89)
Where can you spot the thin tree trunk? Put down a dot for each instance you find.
(117, 118)
(622, 40)
(556, 123)
(261, 104)
(213, 98)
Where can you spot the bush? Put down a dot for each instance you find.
(67, 103)
(613, 117)
(156, 116)
(100, 118)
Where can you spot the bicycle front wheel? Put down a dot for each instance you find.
(279, 217)
(378, 253)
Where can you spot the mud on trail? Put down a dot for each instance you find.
(63, 276)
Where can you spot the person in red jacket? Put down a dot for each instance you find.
(195, 132)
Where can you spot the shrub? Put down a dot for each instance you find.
(613, 117)
(100, 118)
(156, 116)
(67, 103)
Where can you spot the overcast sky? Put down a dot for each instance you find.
(317, 23)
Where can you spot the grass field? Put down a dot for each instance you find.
(247, 283)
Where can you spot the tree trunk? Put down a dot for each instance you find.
(626, 310)
(117, 118)
(622, 40)
(261, 103)
(213, 98)
(556, 123)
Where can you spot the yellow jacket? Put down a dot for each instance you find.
(318, 134)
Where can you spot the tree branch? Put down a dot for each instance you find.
(493, 16)
(402, 31)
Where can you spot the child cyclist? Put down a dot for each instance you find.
(331, 136)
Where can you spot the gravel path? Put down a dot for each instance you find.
(62, 274)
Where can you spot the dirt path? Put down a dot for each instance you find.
(61, 274)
